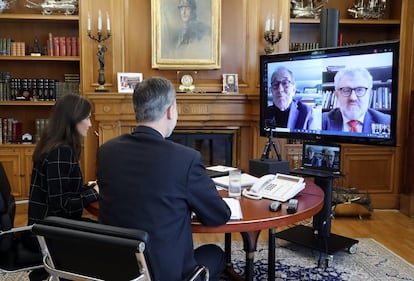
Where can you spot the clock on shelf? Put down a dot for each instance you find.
(186, 81)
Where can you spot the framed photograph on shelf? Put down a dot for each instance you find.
(230, 83)
(127, 81)
(186, 34)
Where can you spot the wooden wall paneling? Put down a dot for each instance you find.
(89, 59)
(11, 160)
(137, 36)
(371, 168)
(406, 104)
(90, 64)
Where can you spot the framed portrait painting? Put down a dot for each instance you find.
(186, 34)
(127, 81)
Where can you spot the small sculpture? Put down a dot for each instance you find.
(368, 9)
(306, 8)
(5, 4)
(68, 7)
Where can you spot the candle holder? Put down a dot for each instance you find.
(101, 57)
(271, 38)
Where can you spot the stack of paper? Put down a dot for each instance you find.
(234, 205)
(219, 170)
(246, 180)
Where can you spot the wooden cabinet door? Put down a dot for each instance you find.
(11, 161)
(26, 167)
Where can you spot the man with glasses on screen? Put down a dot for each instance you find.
(286, 112)
(353, 91)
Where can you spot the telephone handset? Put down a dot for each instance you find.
(277, 187)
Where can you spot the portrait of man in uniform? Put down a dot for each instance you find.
(187, 32)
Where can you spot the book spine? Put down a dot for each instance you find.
(2, 86)
(46, 89)
(8, 46)
(50, 45)
(75, 48)
(22, 49)
(37, 124)
(56, 46)
(69, 46)
(16, 131)
(52, 90)
(4, 127)
(62, 46)
(1, 130)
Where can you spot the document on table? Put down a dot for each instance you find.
(234, 205)
(221, 168)
(246, 180)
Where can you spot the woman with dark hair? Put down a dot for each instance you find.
(56, 187)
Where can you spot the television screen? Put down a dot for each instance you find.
(342, 94)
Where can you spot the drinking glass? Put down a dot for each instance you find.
(235, 184)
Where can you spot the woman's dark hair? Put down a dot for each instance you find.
(68, 111)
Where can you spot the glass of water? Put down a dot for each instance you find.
(235, 183)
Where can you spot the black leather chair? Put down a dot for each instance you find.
(80, 250)
(14, 257)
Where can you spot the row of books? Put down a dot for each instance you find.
(303, 46)
(380, 99)
(55, 46)
(62, 46)
(10, 130)
(11, 48)
(5, 46)
(295, 46)
(31, 89)
(40, 124)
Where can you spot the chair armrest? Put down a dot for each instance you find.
(198, 271)
(64, 274)
(21, 202)
(16, 229)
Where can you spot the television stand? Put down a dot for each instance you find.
(319, 236)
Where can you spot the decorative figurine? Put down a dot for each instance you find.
(306, 8)
(5, 4)
(68, 7)
(36, 51)
(369, 9)
(100, 38)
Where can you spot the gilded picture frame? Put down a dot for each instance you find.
(186, 34)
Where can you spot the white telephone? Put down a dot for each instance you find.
(277, 187)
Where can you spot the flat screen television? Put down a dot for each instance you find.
(330, 105)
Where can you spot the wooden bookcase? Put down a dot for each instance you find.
(22, 24)
(353, 31)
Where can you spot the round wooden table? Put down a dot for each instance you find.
(257, 217)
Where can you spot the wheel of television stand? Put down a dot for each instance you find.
(319, 236)
(353, 249)
(329, 260)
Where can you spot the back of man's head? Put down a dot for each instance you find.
(151, 99)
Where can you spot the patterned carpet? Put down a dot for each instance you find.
(371, 262)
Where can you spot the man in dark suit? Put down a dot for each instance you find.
(285, 111)
(154, 184)
(311, 159)
(353, 91)
(329, 160)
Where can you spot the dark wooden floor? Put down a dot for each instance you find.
(388, 227)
